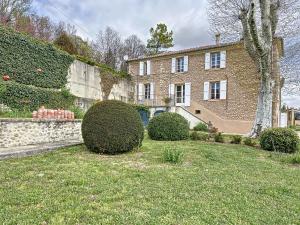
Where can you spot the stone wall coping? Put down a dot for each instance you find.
(18, 120)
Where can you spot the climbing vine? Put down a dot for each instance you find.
(33, 62)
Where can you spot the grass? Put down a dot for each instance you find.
(215, 184)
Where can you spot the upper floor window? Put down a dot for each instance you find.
(147, 88)
(215, 60)
(180, 65)
(214, 90)
(145, 68)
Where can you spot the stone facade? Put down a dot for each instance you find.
(84, 82)
(21, 132)
(233, 114)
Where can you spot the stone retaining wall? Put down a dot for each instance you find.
(21, 132)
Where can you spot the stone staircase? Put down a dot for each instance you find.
(206, 116)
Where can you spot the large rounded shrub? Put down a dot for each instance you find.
(168, 127)
(279, 139)
(112, 127)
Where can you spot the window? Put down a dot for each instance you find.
(180, 93)
(145, 68)
(215, 90)
(180, 65)
(147, 91)
(215, 60)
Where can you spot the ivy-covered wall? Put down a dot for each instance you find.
(33, 62)
(26, 97)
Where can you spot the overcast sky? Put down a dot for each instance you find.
(187, 19)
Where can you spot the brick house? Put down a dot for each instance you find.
(217, 84)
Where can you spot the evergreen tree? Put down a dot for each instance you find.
(160, 39)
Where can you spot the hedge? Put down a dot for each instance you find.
(25, 97)
(22, 56)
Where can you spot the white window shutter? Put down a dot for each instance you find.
(207, 61)
(223, 89)
(173, 65)
(140, 90)
(186, 63)
(223, 59)
(206, 91)
(171, 90)
(136, 91)
(148, 67)
(152, 86)
(187, 96)
(141, 68)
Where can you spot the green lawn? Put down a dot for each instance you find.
(215, 184)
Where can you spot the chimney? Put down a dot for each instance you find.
(218, 39)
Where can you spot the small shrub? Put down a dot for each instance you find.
(112, 127)
(78, 112)
(236, 139)
(219, 138)
(173, 156)
(199, 136)
(201, 127)
(249, 141)
(168, 127)
(279, 139)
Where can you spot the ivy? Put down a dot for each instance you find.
(33, 62)
(25, 97)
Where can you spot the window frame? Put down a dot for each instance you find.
(145, 68)
(182, 91)
(179, 66)
(215, 90)
(147, 91)
(215, 60)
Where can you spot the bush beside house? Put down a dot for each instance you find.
(112, 127)
(168, 127)
(279, 139)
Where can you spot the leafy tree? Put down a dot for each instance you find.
(64, 42)
(160, 39)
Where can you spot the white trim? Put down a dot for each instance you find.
(173, 65)
(207, 61)
(171, 91)
(141, 68)
(152, 86)
(148, 67)
(187, 97)
(206, 91)
(186, 64)
(140, 91)
(223, 89)
(223, 59)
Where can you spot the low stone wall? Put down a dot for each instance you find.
(21, 132)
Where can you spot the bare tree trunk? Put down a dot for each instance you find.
(263, 118)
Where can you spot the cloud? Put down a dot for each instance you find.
(186, 18)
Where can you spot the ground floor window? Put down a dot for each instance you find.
(147, 91)
(215, 90)
(180, 93)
